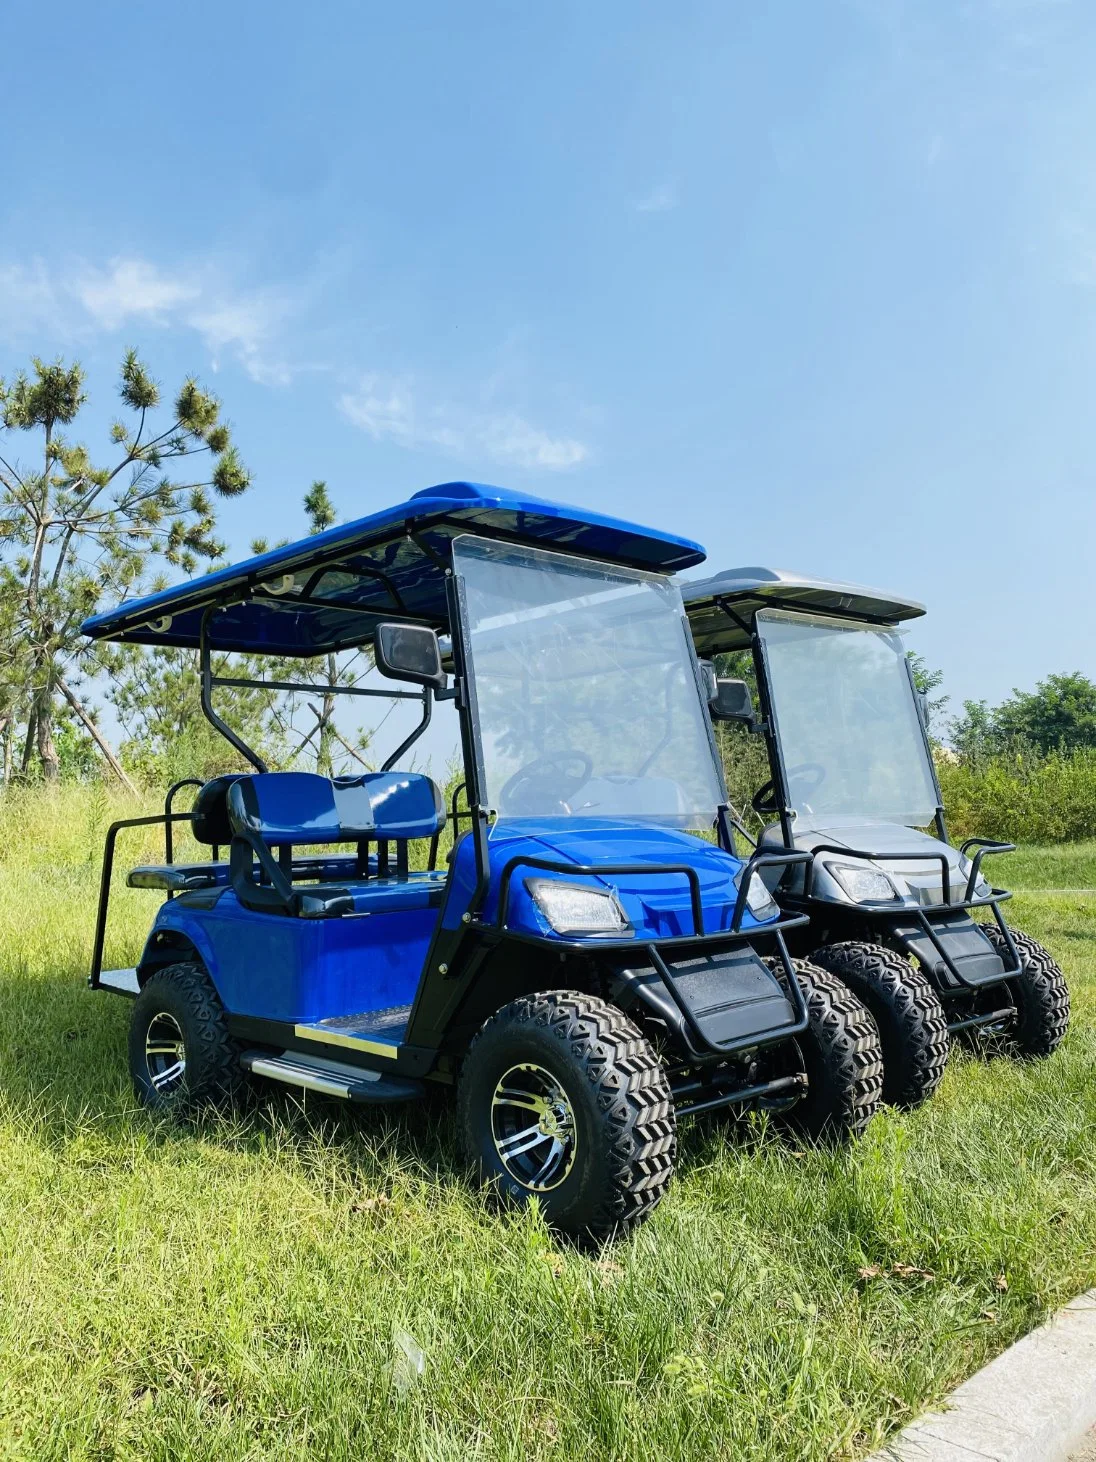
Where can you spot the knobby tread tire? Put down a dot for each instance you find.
(913, 1029)
(843, 1058)
(631, 1111)
(1041, 993)
(213, 1074)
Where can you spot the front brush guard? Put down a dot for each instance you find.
(673, 977)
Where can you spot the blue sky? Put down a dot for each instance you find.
(814, 283)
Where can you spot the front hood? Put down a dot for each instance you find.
(920, 865)
(657, 905)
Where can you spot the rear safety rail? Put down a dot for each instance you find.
(167, 818)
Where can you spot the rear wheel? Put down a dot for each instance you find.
(561, 1098)
(1040, 995)
(913, 1029)
(181, 1055)
(841, 1057)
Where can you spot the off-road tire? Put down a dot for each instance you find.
(626, 1130)
(842, 1057)
(213, 1075)
(913, 1029)
(1040, 994)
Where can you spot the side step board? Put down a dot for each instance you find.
(333, 1078)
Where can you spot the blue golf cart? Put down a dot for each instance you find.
(852, 781)
(589, 962)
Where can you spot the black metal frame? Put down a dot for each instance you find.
(699, 938)
(920, 913)
(168, 819)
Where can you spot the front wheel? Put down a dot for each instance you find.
(913, 1029)
(181, 1055)
(1039, 993)
(841, 1057)
(561, 1098)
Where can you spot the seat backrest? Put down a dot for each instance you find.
(210, 810)
(301, 807)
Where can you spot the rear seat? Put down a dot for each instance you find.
(270, 812)
(209, 825)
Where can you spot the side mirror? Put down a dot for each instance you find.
(731, 702)
(922, 699)
(409, 652)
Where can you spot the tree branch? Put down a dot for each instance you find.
(330, 725)
(96, 735)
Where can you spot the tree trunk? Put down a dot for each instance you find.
(96, 735)
(324, 759)
(47, 751)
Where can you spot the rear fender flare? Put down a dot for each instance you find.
(176, 938)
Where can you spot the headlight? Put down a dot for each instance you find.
(759, 900)
(865, 884)
(575, 908)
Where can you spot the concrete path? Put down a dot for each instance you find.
(1034, 1403)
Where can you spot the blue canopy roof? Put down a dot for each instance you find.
(332, 589)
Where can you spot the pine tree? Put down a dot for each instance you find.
(73, 533)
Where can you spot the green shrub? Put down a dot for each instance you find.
(1022, 797)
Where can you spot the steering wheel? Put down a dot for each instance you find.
(545, 778)
(764, 799)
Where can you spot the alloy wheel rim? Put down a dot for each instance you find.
(533, 1127)
(165, 1053)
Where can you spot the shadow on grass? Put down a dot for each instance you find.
(64, 1068)
(64, 1071)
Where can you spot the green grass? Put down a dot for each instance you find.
(1061, 866)
(231, 1290)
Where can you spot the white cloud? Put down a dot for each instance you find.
(388, 411)
(252, 327)
(131, 287)
(659, 200)
(83, 299)
(247, 328)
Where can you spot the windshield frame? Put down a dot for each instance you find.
(788, 814)
(474, 750)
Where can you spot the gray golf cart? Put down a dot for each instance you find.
(852, 780)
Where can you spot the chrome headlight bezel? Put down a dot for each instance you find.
(579, 910)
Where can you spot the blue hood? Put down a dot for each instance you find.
(658, 906)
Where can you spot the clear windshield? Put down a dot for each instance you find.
(587, 696)
(850, 736)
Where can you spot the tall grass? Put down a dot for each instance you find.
(231, 1290)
